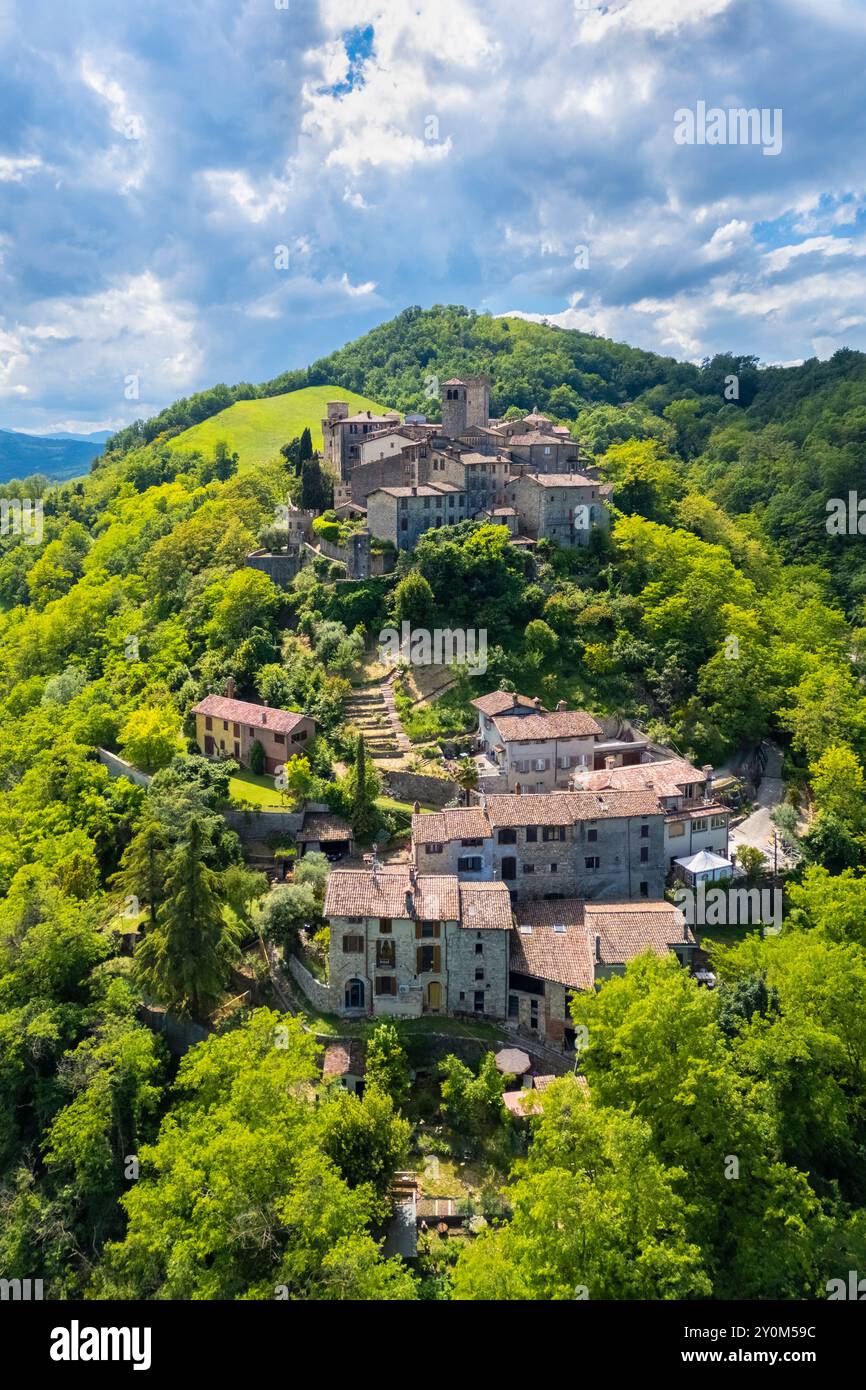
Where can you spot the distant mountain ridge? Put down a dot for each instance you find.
(57, 456)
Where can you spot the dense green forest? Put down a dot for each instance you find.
(718, 611)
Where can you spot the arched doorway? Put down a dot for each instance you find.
(434, 997)
(354, 994)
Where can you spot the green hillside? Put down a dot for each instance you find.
(257, 429)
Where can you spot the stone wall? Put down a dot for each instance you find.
(258, 824)
(118, 768)
(281, 567)
(419, 786)
(465, 959)
(318, 994)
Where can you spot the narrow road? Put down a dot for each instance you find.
(757, 829)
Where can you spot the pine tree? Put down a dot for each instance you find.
(184, 961)
(143, 866)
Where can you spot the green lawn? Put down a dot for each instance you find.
(256, 788)
(256, 430)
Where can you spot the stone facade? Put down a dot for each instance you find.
(404, 961)
(561, 507)
(401, 515)
(343, 435)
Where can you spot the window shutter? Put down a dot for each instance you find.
(437, 959)
(417, 931)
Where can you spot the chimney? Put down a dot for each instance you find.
(610, 762)
(537, 702)
(231, 687)
(264, 716)
(598, 950)
(414, 492)
(517, 789)
(561, 707)
(416, 808)
(707, 770)
(413, 875)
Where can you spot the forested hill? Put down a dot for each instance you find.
(770, 443)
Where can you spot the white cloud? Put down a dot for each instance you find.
(15, 169)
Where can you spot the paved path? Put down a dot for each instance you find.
(757, 829)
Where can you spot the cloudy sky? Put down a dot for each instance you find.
(194, 191)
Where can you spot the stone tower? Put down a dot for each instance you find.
(478, 400)
(454, 408)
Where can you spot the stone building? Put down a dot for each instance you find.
(551, 845)
(405, 944)
(343, 434)
(560, 507)
(533, 748)
(695, 820)
(401, 515)
(567, 947)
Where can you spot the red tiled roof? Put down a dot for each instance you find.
(321, 826)
(564, 808)
(535, 728)
(500, 700)
(556, 479)
(666, 777)
(626, 930)
(485, 907)
(462, 823)
(391, 893)
(345, 1057)
(242, 712)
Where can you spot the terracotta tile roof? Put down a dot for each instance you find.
(567, 956)
(565, 808)
(342, 1058)
(485, 907)
(522, 1102)
(535, 728)
(390, 893)
(241, 712)
(463, 823)
(666, 777)
(500, 700)
(557, 479)
(321, 826)
(629, 928)
(564, 957)
(425, 490)
(366, 419)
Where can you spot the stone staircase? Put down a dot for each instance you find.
(370, 710)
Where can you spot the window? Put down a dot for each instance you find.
(700, 824)
(386, 956)
(469, 864)
(479, 948)
(428, 959)
(300, 737)
(507, 836)
(479, 1001)
(533, 1013)
(644, 890)
(592, 861)
(467, 844)
(386, 984)
(385, 926)
(553, 832)
(529, 868)
(433, 848)
(644, 832)
(279, 738)
(513, 1006)
(354, 919)
(479, 972)
(719, 822)
(428, 931)
(236, 730)
(208, 723)
(644, 855)
(531, 834)
(354, 995)
(352, 945)
(592, 836)
(554, 868)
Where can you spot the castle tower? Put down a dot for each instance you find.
(478, 400)
(454, 408)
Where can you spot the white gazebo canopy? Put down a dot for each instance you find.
(705, 865)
